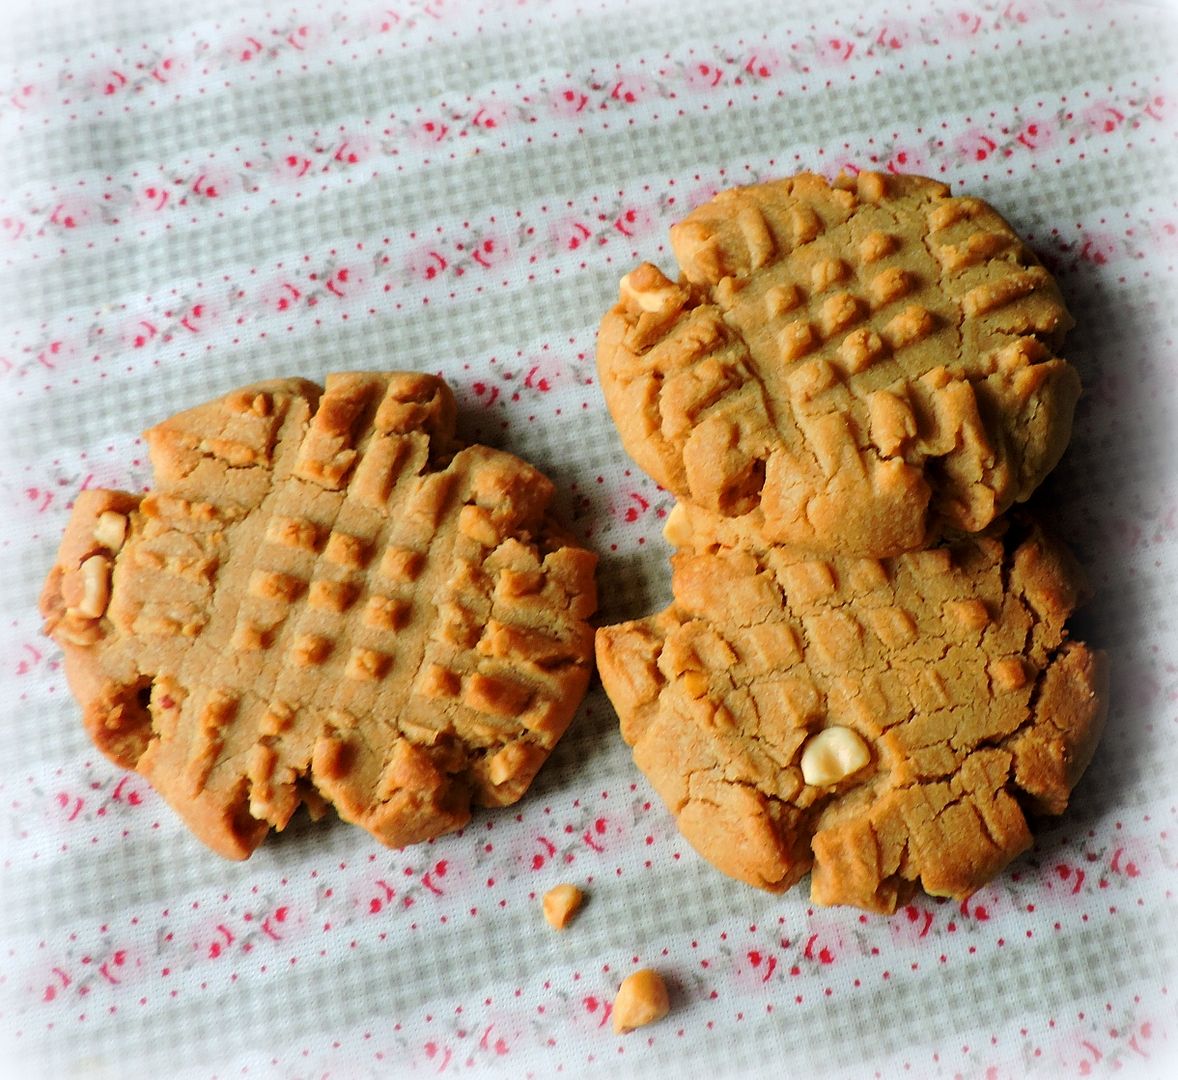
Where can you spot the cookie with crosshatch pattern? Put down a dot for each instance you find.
(856, 365)
(325, 600)
(877, 722)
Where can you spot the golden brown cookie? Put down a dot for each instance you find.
(877, 722)
(857, 365)
(325, 600)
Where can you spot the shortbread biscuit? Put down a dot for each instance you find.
(879, 722)
(325, 600)
(857, 366)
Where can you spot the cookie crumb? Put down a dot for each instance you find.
(641, 1000)
(561, 903)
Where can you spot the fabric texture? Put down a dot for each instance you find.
(193, 197)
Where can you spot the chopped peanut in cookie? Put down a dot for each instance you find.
(642, 999)
(560, 904)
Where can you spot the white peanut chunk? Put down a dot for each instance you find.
(560, 905)
(648, 289)
(642, 999)
(111, 530)
(676, 530)
(832, 755)
(95, 587)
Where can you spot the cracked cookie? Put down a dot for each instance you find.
(876, 722)
(857, 366)
(325, 600)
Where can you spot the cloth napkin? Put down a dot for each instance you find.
(194, 196)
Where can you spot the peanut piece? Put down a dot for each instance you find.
(111, 530)
(676, 530)
(641, 1000)
(95, 587)
(561, 904)
(832, 755)
(648, 289)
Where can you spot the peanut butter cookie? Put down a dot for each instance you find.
(857, 366)
(325, 600)
(877, 722)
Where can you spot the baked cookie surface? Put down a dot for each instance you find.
(877, 722)
(856, 366)
(325, 600)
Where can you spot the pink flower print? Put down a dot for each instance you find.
(354, 149)
(1021, 12)
(213, 182)
(543, 373)
(1078, 1052)
(139, 331)
(68, 807)
(763, 63)
(756, 967)
(490, 116)
(443, 876)
(974, 145)
(74, 212)
(293, 165)
(425, 263)
(344, 281)
(630, 506)
(52, 984)
(1098, 248)
(198, 317)
(127, 792)
(428, 132)
(57, 353)
(540, 850)
(982, 905)
(962, 22)
(244, 48)
(1036, 134)
(168, 69)
(12, 228)
(213, 941)
(1102, 118)
(628, 90)
(567, 100)
(832, 168)
(824, 943)
(703, 75)
(282, 294)
(116, 967)
(1165, 231)
(1155, 107)
(569, 234)
(108, 80)
(26, 96)
(834, 50)
(152, 198)
(382, 21)
(601, 833)
(1130, 857)
(489, 251)
(893, 35)
(906, 159)
(634, 221)
(911, 925)
(303, 36)
(594, 1012)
